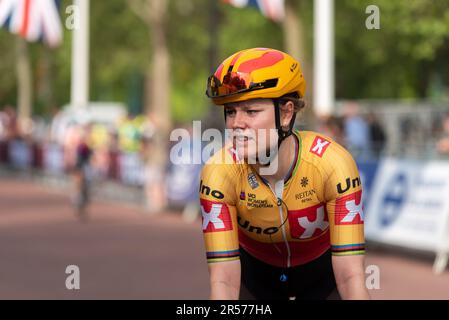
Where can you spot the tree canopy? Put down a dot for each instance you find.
(405, 59)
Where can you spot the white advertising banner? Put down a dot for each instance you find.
(409, 205)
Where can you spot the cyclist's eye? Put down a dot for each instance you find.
(230, 112)
(252, 112)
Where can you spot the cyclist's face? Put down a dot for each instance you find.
(252, 125)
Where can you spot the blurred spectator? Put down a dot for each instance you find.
(3, 137)
(377, 134)
(71, 140)
(155, 169)
(443, 142)
(357, 132)
(129, 135)
(9, 123)
(3, 125)
(99, 142)
(332, 126)
(114, 152)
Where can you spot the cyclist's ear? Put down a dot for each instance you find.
(287, 111)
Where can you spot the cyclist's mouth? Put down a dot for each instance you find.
(241, 140)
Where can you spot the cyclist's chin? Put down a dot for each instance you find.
(249, 156)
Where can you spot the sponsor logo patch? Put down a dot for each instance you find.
(309, 222)
(343, 187)
(349, 209)
(305, 196)
(208, 191)
(252, 180)
(216, 216)
(319, 146)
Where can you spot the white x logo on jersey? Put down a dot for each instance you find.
(311, 226)
(320, 144)
(354, 210)
(212, 216)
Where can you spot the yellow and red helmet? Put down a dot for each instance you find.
(255, 73)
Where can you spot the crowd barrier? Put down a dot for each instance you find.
(408, 205)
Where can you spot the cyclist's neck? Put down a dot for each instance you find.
(282, 163)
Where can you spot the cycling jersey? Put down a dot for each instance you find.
(319, 206)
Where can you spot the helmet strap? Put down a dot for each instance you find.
(282, 135)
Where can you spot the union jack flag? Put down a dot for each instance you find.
(272, 9)
(33, 20)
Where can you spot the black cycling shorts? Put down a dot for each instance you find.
(311, 281)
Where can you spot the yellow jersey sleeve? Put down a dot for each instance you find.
(343, 196)
(217, 193)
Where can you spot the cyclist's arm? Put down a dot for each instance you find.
(225, 280)
(350, 277)
(218, 198)
(346, 221)
(222, 249)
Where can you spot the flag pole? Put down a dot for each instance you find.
(80, 56)
(323, 87)
(214, 119)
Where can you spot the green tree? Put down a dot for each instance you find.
(396, 61)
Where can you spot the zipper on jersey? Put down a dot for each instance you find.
(278, 190)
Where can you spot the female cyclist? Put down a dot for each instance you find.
(282, 211)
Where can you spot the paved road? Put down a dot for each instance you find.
(124, 253)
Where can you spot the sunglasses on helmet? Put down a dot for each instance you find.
(235, 83)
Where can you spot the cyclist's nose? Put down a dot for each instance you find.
(239, 121)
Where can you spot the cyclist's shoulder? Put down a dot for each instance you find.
(223, 157)
(224, 162)
(333, 162)
(220, 176)
(322, 150)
